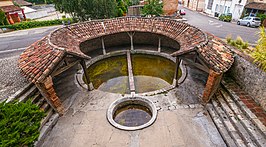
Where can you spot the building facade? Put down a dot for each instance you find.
(198, 5)
(217, 7)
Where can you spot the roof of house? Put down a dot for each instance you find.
(6, 3)
(255, 5)
(22, 3)
(40, 59)
(11, 8)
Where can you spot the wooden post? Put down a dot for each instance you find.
(104, 51)
(177, 63)
(212, 85)
(83, 64)
(159, 45)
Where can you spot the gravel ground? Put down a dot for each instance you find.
(10, 78)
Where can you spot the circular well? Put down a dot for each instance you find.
(132, 113)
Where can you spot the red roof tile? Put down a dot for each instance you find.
(10, 8)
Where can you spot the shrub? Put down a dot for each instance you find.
(34, 24)
(239, 41)
(229, 38)
(245, 45)
(19, 123)
(259, 53)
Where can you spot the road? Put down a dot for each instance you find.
(219, 28)
(13, 43)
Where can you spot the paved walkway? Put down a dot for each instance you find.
(181, 120)
(85, 124)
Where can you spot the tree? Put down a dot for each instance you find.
(2, 18)
(154, 8)
(121, 7)
(260, 52)
(87, 9)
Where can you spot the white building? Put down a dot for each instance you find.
(218, 7)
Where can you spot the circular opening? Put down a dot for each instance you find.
(131, 113)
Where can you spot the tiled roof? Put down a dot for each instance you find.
(39, 60)
(258, 6)
(217, 53)
(67, 40)
(22, 3)
(10, 8)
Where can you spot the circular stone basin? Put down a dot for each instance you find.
(131, 113)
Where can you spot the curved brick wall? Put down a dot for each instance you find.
(42, 57)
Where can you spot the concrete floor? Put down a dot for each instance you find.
(177, 124)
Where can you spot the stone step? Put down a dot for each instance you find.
(256, 135)
(220, 126)
(30, 92)
(19, 92)
(245, 110)
(47, 117)
(233, 132)
(36, 97)
(47, 127)
(236, 121)
(45, 106)
(40, 102)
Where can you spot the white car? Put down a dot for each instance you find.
(249, 21)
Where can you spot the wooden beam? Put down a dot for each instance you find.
(197, 65)
(65, 68)
(177, 63)
(83, 64)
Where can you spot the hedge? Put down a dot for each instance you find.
(34, 24)
(19, 123)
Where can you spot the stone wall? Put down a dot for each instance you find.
(250, 78)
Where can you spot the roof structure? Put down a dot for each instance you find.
(22, 3)
(10, 8)
(255, 5)
(38, 61)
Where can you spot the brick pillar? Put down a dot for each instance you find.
(47, 90)
(212, 84)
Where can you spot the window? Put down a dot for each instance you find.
(216, 8)
(225, 9)
(228, 10)
(210, 3)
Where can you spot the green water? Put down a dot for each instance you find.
(150, 73)
(110, 75)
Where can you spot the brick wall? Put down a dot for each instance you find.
(250, 78)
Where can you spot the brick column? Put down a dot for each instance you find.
(47, 90)
(212, 84)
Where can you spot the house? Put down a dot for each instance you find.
(255, 7)
(198, 5)
(22, 3)
(217, 7)
(11, 11)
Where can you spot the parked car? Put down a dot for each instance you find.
(249, 21)
(226, 17)
(182, 12)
